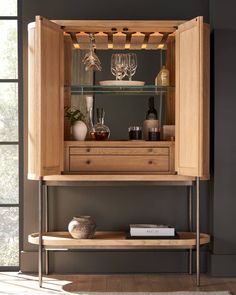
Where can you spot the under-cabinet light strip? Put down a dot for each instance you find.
(128, 41)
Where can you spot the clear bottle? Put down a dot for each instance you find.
(89, 106)
(162, 78)
(101, 131)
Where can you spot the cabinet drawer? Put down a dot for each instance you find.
(163, 151)
(116, 163)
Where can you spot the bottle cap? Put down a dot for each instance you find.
(135, 128)
(153, 129)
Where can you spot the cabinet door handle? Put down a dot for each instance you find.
(88, 150)
(150, 162)
(88, 162)
(150, 150)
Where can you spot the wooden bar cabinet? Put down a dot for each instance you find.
(53, 160)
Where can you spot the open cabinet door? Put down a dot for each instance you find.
(45, 98)
(192, 98)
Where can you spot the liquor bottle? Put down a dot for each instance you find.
(162, 78)
(101, 131)
(151, 119)
(152, 112)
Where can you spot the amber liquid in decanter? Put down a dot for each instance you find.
(101, 131)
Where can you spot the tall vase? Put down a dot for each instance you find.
(79, 130)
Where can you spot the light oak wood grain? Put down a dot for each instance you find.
(154, 40)
(119, 40)
(46, 91)
(119, 163)
(206, 103)
(190, 99)
(107, 25)
(116, 240)
(120, 143)
(170, 95)
(67, 83)
(119, 156)
(120, 177)
(162, 151)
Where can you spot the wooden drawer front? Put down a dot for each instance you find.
(162, 151)
(116, 163)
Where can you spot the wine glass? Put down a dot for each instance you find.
(119, 64)
(91, 60)
(113, 64)
(132, 65)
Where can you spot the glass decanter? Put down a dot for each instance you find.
(101, 131)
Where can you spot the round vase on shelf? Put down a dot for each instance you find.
(79, 130)
(82, 227)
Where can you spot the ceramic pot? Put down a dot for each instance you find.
(82, 227)
(79, 130)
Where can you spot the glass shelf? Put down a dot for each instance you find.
(120, 90)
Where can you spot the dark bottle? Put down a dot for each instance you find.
(135, 133)
(151, 118)
(153, 134)
(152, 112)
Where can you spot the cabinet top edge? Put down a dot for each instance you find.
(119, 25)
(116, 25)
(119, 143)
(119, 178)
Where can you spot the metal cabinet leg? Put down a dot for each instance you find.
(198, 230)
(46, 228)
(40, 250)
(190, 225)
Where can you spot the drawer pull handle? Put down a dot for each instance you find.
(150, 162)
(150, 150)
(87, 150)
(88, 162)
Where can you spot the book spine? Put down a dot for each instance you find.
(152, 231)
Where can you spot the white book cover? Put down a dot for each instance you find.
(151, 230)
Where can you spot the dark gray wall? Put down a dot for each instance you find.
(123, 111)
(224, 202)
(111, 207)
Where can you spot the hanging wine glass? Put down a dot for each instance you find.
(131, 65)
(91, 60)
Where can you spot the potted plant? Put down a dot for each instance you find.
(77, 122)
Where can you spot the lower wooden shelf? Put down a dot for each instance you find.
(115, 240)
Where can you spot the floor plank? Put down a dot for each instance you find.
(54, 284)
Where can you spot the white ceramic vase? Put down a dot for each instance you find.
(79, 130)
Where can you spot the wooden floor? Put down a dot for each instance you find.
(13, 282)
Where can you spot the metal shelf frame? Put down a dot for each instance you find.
(44, 216)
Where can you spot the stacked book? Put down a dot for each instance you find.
(159, 231)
